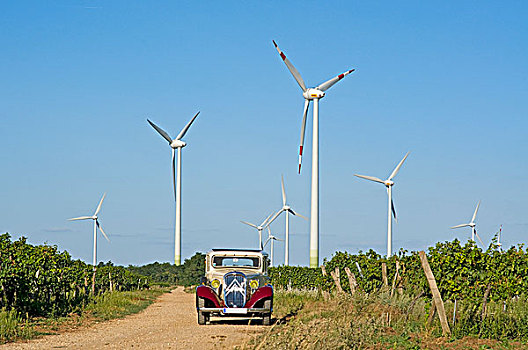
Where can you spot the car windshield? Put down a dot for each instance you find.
(230, 261)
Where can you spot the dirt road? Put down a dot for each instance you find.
(169, 323)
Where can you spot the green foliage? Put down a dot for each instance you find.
(191, 271)
(157, 272)
(462, 272)
(41, 281)
(187, 274)
(297, 277)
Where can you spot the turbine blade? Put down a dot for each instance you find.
(266, 243)
(160, 131)
(291, 68)
(475, 213)
(184, 130)
(303, 129)
(393, 210)
(462, 225)
(480, 240)
(248, 223)
(100, 203)
(273, 218)
(395, 171)
(328, 84)
(283, 191)
(371, 178)
(265, 222)
(101, 229)
(298, 214)
(174, 172)
(81, 218)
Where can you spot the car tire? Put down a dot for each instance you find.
(202, 318)
(266, 320)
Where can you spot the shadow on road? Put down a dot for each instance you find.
(238, 321)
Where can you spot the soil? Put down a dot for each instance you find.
(169, 323)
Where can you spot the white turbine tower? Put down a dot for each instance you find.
(176, 144)
(499, 238)
(388, 183)
(259, 228)
(271, 238)
(473, 225)
(288, 210)
(310, 94)
(95, 219)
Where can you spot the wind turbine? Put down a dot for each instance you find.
(388, 183)
(176, 144)
(259, 228)
(95, 219)
(271, 238)
(472, 224)
(499, 238)
(288, 210)
(310, 94)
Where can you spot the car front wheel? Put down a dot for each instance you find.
(202, 318)
(266, 320)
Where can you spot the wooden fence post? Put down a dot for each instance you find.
(351, 280)
(384, 275)
(337, 280)
(485, 301)
(399, 286)
(326, 294)
(93, 280)
(432, 313)
(436, 293)
(409, 309)
(396, 278)
(454, 312)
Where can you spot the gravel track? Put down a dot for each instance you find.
(169, 323)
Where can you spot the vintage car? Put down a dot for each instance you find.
(235, 284)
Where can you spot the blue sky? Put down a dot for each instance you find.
(447, 81)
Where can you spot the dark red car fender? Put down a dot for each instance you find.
(261, 293)
(207, 293)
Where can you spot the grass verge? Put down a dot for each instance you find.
(13, 327)
(308, 320)
(108, 306)
(103, 307)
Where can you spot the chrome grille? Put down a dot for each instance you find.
(235, 289)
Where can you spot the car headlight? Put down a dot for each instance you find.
(254, 284)
(215, 283)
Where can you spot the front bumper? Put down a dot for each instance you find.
(235, 310)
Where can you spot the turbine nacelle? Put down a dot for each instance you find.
(178, 144)
(389, 183)
(313, 93)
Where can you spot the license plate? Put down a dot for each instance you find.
(235, 310)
